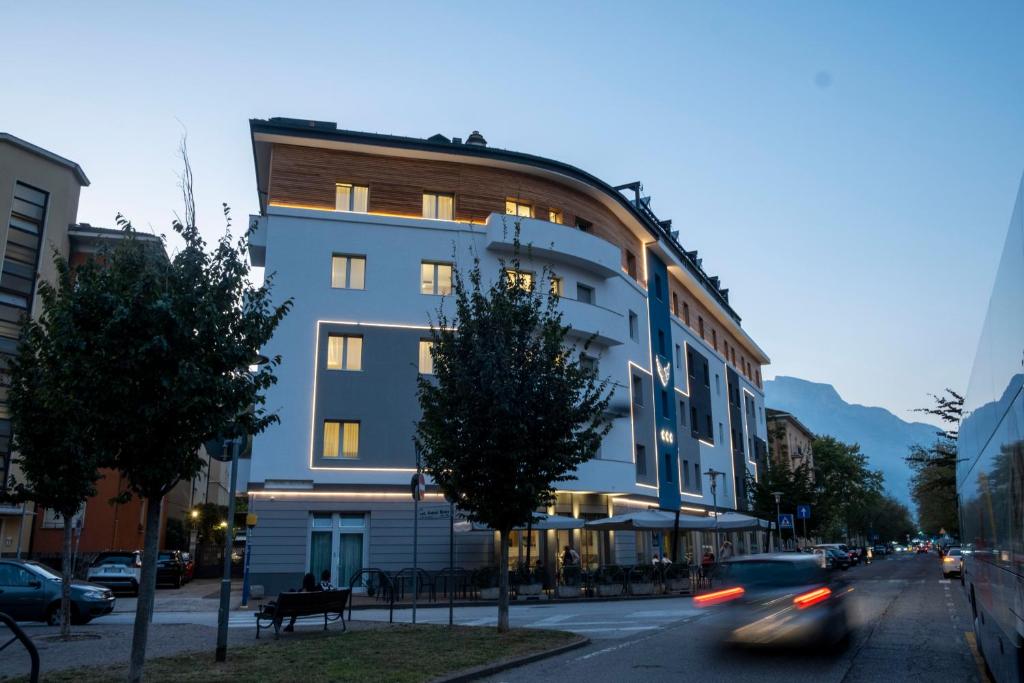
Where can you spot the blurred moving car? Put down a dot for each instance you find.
(838, 559)
(30, 591)
(170, 568)
(777, 599)
(922, 549)
(953, 562)
(117, 570)
(190, 566)
(879, 550)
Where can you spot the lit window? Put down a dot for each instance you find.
(426, 359)
(520, 278)
(555, 216)
(344, 352)
(516, 208)
(556, 286)
(348, 197)
(341, 439)
(348, 272)
(438, 205)
(435, 278)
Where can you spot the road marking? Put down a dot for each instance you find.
(552, 620)
(613, 648)
(979, 661)
(945, 581)
(618, 628)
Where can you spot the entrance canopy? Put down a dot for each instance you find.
(734, 521)
(650, 520)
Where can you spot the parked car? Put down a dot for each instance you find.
(777, 599)
(879, 550)
(30, 591)
(953, 562)
(170, 568)
(837, 559)
(190, 566)
(118, 570)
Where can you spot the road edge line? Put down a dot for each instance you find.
(489, 669)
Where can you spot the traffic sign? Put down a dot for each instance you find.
(786, 521)
(803, 511)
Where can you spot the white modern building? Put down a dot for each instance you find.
(363, 231)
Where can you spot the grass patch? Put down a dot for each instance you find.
(399, 654)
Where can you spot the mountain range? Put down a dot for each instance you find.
(882, 436)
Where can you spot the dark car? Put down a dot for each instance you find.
(879, 550)
(170, 568)
(30, 591)
(772, 600)
(118, 570)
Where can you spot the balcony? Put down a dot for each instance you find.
(555, 243)
(586, 320)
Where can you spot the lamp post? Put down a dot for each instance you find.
(713, 475)
(778, 513)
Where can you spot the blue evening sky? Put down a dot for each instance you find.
(848, 169)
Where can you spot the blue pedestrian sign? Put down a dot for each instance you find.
(803, 511)
(786, 521)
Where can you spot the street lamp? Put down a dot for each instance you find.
(713, 475)
(778, 513)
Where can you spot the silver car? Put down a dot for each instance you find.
(779, 599)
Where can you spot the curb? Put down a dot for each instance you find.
(513, 603)
(488, 669)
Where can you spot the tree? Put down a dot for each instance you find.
(933, 485)
(510, 410)
(846, 487)
(51, 413)
(796, 487)
(171, 343)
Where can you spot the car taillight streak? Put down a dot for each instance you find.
(718, 596)
(813, 597)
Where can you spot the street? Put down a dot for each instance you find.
(909, 623)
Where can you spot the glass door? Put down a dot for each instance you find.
(350, 557)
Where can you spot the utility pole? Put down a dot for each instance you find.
(229, 536)
(713, 475)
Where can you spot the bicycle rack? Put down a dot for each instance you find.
(33, 653)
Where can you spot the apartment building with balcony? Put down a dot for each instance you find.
(790, 442)
(364, 231)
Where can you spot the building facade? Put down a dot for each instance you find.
(363, 231)
(790, 443)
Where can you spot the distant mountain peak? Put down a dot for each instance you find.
(883, 437)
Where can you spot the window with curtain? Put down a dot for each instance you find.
(348, 197)
(341, 438)
(348, 272)
(514, 207)
(520, 278)
(344, 352)
(555, 216)
(435, 278)
(439, 205)
(426, 361)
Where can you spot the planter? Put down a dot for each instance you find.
(530, 589)
(609, 590)
(644, 588)
(488, 593)
(568, 591)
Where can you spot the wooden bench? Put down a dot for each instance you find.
(331, 604)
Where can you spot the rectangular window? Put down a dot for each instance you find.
(693, 419)
(675, 304)
(348, 272)
(661, 342)
(588, 363)
(584, 225)
(426, 359)
(439, 205)
(584, 294)
(344, 352)
(519, 278)
(721, 433)
(657, 287)
(668, 466)
(435, 278)
(641, 460)
(631, 264)
(689, 364)
(638, 390)
(664, 402)
(707, 376)
(710, 427)
(700, 326)
(714, 338)
(556, 286)
(554, 216)
(679, 356)
(733, 352)
(634, 327)
(696, 477)
(341, 438)
(348, 197)
(686, 474)
(718, 385)
(514, 207)
(682, 413)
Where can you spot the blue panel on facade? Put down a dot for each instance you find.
(665, 403)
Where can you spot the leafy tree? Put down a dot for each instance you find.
(933, 485)
(846, 487)
(209, 523)
(510, 410)
(171, 343)
(51, 411)
(796, 487)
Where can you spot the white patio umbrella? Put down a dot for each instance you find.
(734, 521)
(650, 520)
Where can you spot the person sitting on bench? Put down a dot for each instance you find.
(309, 585)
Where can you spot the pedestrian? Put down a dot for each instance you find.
(726, 550)
(665, 561)
(325, 580)
(309, 585)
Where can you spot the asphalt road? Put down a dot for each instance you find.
(909, 624)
